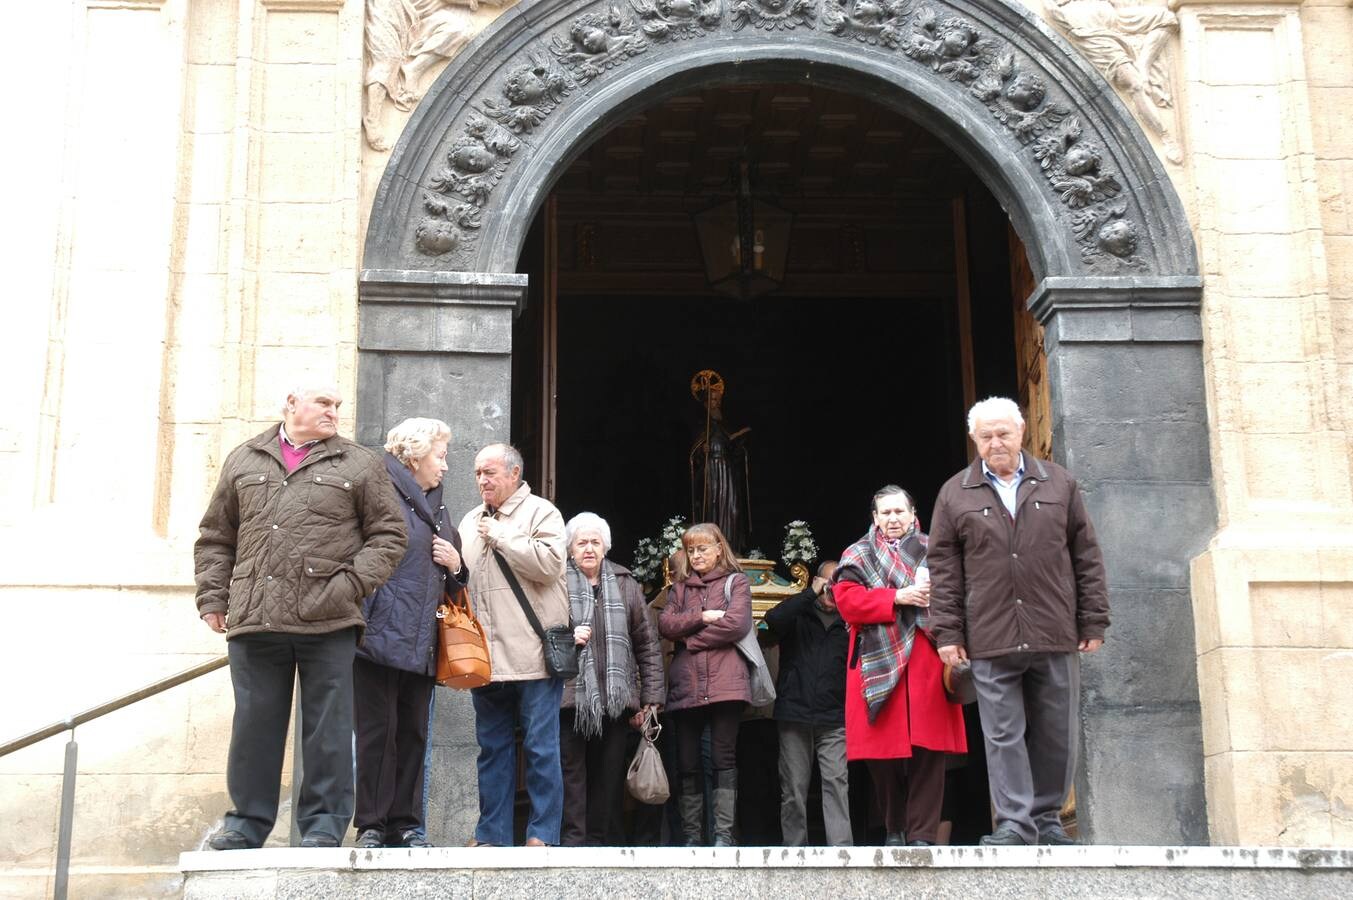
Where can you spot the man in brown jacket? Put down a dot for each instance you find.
(1018, 588)
(302, 525)
(526, 533)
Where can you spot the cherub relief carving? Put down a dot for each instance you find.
(870, 21)
(677, 20)
(1125, 40)
(1106, 229)
(951, 46)
(475, 162)
(532, 91)
(772, 15)
(1075, 167)
(447, 227)
(403, 39)
(597, 42)
(1014, 98)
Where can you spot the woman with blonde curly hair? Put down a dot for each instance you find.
(393, 675)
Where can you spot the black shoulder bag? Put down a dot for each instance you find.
(561, 653)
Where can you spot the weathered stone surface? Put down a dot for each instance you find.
(1144, 658)
(1141, 773)
(453, 781)
(1099, 449)
(770, 872)
(1150, 530)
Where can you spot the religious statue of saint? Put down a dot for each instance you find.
(719, 485)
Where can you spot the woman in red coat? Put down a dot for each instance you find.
(897, 717)
(707, 613)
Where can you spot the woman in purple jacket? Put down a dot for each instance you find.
(705, 616)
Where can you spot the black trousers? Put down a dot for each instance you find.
(390, 707)
(723, 719)
(594, 783)
(263, 667)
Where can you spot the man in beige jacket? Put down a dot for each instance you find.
(516, 528)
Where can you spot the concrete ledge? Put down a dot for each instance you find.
(772, 872)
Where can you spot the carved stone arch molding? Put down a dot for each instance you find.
(1036, 122)
(1118, 293)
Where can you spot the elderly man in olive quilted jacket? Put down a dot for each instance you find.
(302, 525)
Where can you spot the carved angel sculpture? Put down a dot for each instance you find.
(1125, 39)
(404, 38)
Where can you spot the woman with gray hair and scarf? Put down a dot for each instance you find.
(620, 679)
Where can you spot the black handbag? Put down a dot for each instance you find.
(561, 651)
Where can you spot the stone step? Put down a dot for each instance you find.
(746, 873)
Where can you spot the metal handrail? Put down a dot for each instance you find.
(61, 881)
(103, 709)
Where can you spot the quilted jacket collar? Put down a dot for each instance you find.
(267, 443)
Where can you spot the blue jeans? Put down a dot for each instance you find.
(498, 708)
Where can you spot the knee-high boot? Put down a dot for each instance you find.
(725, 806)
(692, 805)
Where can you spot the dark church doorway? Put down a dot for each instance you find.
(901, 302)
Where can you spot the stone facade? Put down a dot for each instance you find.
(198, 191)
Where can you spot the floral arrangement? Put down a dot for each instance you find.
(650, 552)
(799, 544)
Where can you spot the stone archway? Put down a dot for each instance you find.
(1118, 284)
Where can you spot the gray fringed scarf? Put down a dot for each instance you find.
(622, 676)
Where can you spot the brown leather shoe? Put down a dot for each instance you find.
(474, 843)
(535, 842)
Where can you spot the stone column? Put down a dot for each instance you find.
(1267, 90)
(1125, 371)
(440, 344)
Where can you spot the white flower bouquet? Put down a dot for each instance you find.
(799, 544)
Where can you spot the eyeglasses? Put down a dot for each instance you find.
(702, 550)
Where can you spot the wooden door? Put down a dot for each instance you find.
(1031, 363)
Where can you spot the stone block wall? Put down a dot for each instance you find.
(192, 168)
(1267, 89)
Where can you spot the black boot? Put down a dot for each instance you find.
(725, 806)
(692, 806)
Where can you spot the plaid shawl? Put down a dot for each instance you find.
(612, 630)
(885, 648)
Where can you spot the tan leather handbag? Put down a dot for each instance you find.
(462, 648)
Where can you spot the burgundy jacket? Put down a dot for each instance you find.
(1034, 584)
(706, 666)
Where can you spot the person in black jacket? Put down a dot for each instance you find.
(396, 666)
(810, 708)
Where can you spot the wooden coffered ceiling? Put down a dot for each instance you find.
(805, 141)
(872, 193)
